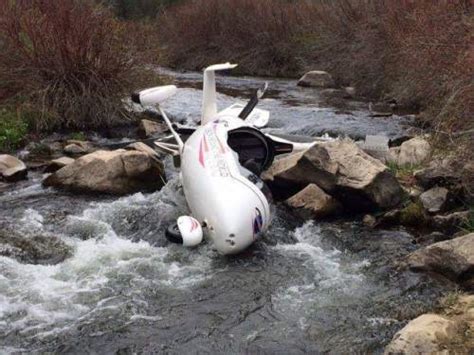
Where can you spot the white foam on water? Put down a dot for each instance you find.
(32, 220)
(106, 276)
(326, 276)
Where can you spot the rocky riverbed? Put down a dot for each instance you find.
(93, 272)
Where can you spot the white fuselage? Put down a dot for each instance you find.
(232, 210)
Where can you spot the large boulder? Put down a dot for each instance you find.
(314, 200)
(423, 335)
(435, 199)
(414, 151)
(316, 78)
(114, 172)
(342, 170)
(452, 258)
(11, 168)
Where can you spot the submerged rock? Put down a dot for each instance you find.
(315, 201)
(414, 151)
(341, 169)
(452, 258)
(316, 78)
(11, 168)
(113, 172)
(37, 249)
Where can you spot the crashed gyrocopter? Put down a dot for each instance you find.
(221, 161)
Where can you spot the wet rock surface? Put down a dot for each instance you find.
(33, 249)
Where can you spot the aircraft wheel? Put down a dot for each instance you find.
(173, 234)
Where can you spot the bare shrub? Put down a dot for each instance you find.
(70, 60)
(420, 52)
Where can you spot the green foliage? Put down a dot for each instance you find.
(79, 136)
(13, 129)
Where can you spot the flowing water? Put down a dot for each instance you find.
(306, 287)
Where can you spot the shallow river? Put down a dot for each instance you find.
(307, 287)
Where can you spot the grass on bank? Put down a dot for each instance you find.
(13, 129)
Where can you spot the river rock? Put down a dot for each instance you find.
(56, 164)
(423, 335)
(435, 199)
(74, 149)
(316, 78)
(341, 169)
(36, 249)
(451, 223)
(443, 173)
(414, 151)
(151, 128)
(369, 221)
(11, 168)
(314, 200)
(452, 258)
(114, 172)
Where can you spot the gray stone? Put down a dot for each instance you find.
(435, 199)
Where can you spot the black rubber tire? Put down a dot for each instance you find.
(173, 234)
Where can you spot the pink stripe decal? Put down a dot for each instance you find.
(201, 155)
